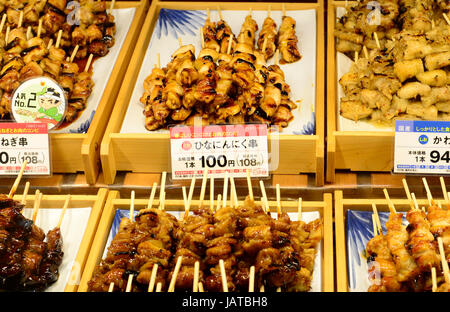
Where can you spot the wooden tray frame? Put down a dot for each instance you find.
(114, 202)
(341, 205)
(97, 203)
(73, 152)
(354, 150)
(130, 152)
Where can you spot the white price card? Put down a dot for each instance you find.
(20, 142)
(219, 149)
(422, 147)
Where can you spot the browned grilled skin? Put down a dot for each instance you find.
(288, 41)
(27, 262)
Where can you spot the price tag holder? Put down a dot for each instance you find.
(219, 149)
(422, 147)
(24, 141)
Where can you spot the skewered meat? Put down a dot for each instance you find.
(287, 40)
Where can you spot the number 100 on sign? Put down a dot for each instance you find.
(219, 149)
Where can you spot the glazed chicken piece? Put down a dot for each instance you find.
(267, 38)
(287, 40)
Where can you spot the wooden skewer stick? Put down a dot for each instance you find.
(2, 23)
(377, 218)
(433, 24)
(200, 287)
(283, 9)
(129, 283)
(268, 10)
(196, 276)
(264, 44)
(444, 261)
(278, 191)
(224, 276)
(208, 14)
(416, 205)
(180, 42)
(261, 289)
(111, 7)
(220, 13)
(191, 192)
(427, 189)
(375, 35)
(25, 193)
(17, 180)
(163, 201)
(8, 29)
(366, 53)
(408, 193)
(250, 11)
(390, 203)
(88, 64)
(211, 194)
(299, 209)
(131, 206)
(111, 287)
(203, 188)
(219, 198)
(151, 285)
(264, 197)
(249, 185)
(63, 212)
(158, 60)
(185, 200)
(175, 273)
(74, 53)
(444, 191)
(356, 56)
(158, 287)
(433, 279)
(58, 39)
(202, 38)
(39, 28)
(230, 42)
(29, 33)
(374, 225)
(225, 190)
(37, 202)
(50, 43)
(233, 192)
(251, 281)
(163, 184)
(152, 195)
(19, 24)
(446, 18)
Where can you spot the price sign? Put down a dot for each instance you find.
(422, 147)
(219, 149)
(20, 142)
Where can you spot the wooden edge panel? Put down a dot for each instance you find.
(328, 261)
(341, 245)
(90, 145)
(99, 241)
(86, 243)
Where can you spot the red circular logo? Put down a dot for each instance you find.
(186, 145)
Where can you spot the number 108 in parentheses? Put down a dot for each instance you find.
(222, 161)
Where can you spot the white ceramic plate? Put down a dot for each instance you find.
(186, 24)
(316, 283)
(102, 68)
(73, 227)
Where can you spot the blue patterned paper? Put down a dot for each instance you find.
(84, 127)
(179, 22)
(359, 232)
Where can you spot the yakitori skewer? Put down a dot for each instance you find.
(131, 216)
(89, 61)
(196, 276)
(415, 203)
(129, 283)
(249, 185)
(158, 287)
(224, 276)
(163, 183)
(175, 274)
(299, 209)
(444, 191)
(25, 193)
(211, 193)
(111, 7)
(39, 28)
(234, 198)
(447, 19)
(2, 23)
(63, 212)
(366, 52)
(152, 195)
(408, 193)
(427, 189)
(17, 181)
(251, 279)
(203, 188)
(111, 287)
(185, 200)
(225, 189)
(74, 53)
(278, 194)
(377, 219)
(200, 287)
(58, 39)
(375, 35)
(219, 199)
(390, 203)
(8, 30)
(189, 199)
(37, 202)
(264, 197)
(151, 285)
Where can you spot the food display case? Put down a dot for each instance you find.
(126, 141)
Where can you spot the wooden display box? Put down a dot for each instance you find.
(96, 202)
(354, 150)
(149, 152)
(114, 202)
(73, 152)
(341, 206)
